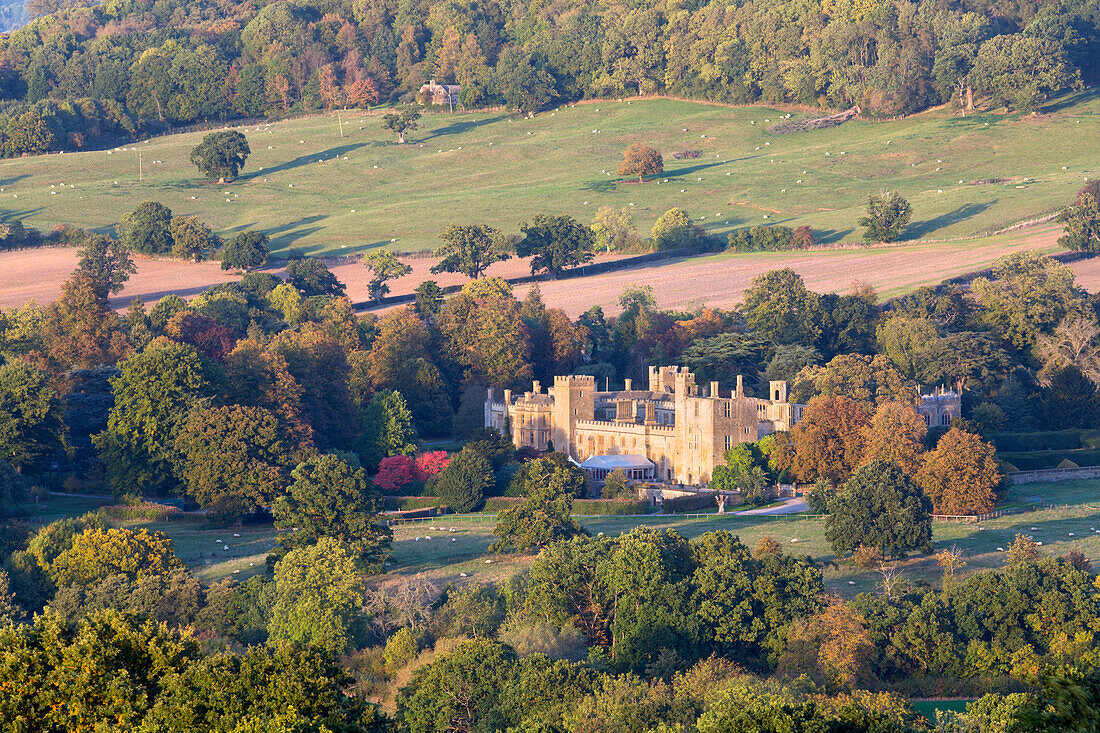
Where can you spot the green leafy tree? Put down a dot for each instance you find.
(615, 486)
(387, 428)
(147, 229)
(555, 244)
(312, 277)
(245, 251)
(384, 266)
(234, 459)
(96, 554)
(318, 596)
(463, 483)
(192, 239)
(641, 160)
(221, 155)
(31, 426)
(403, 123)
(107, 262)
(673, 229)
(329, 497)
(1081, 222)
(153, 395)
(469, 249)
(545, 514)
(429, 299)
(880, 506)
(778, 306)
(887, 215)
(1021, 70)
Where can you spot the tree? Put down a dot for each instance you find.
(896, 433)
(31, 426)
(832, 647)
(1081, 222)
(470, 249)
(882, 507)
(234, 459)
(462, 484)
(318, 363)
(1075, 342)
(1069, 401)
(778, 306)
(555, 244)
(460, 691)
(429, 299)
(395, 473)
(868, 380)
(221, 155)
(387, 428)
(614, 230)
(384, 266)
(401, 123)
(245, 251)
(80, 329)
(1023, 550)
(192, 239)
(961, 476)
(1021, 70)
(312, 277)
(887, 215)
(147, 229)
(319, 592)
(108, 264)
(641, 160)
(329, 497)
(673, 229)
(545, 514)
(828, 440)
(98, 553)
(615, 486)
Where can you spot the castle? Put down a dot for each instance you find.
(675, 431)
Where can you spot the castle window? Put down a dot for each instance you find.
(946, 419)
(927, 420)
(729, 407)
(729, 442)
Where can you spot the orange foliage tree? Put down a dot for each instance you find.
(896, 433)
(98, 553)
(960, 476)
(828, 440)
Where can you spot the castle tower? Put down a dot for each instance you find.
(574, 399)
(777, 391)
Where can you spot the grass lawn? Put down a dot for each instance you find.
(1072, 525)
(309, 186)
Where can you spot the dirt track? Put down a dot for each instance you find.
(717, 281)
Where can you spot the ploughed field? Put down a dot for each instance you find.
(340, 184)
(715, 280)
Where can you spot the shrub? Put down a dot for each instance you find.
(674, 229)
(868, 558)
(762, 239)
(395, 473)
(566, 643)
(604, 507)
(430, 464)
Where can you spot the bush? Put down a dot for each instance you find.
(762, 239)
(462, 485)
(566, 643)
(673, 230)
(145, 511)
(408, 503)
(696, 503)
(605, 507)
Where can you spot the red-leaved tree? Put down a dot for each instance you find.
(395, 473)
(431, 463)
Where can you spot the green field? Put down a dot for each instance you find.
(1071, 524)
(323, 192)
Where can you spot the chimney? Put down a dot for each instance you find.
(629, 382)
(507, 396)
(623, 412)
(536, 388)
(714, 389)
(740, 386)
(650, 413)
(491, 394)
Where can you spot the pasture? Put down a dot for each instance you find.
(1068, 518)
(340, 184)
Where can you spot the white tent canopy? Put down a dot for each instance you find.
(634, 466)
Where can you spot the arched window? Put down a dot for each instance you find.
(946, 418)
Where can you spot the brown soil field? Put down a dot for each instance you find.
(717, 280)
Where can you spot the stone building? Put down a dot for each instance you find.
(939, 407)
(444, 95)
(682, 429)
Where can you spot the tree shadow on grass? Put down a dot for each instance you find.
(688, 170)
(457, 128)
(599, 185)
(829, 236)
(284, 235)
(302, 160)
(13, 179)
(920, 229)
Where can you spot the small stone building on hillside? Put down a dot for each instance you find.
(445, 95)
(682, 429)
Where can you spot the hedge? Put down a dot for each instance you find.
(611, 506)
(691, 503)
(499, 503)
(1036, 460)
(1046, 441)
(405, 503)
(146, 511)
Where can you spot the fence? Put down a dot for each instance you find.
(1055, 474)
(971, 518)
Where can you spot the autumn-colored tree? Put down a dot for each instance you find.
(329, 87)
(430, 464)
(319, 365)
(488, 338)
(832, 647)
(1023, 550)
(896, 433)
(98, 553)
(210, 338)
(80, 329)
(828, 440)
(395, 473)
(951, 561)
(234, 459)
(641, 160)
(961, 476)
(363, 92)
(191, 238)
(767, 545)
(258, 378)
(401, 336)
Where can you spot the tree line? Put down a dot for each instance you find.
(80, 76)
